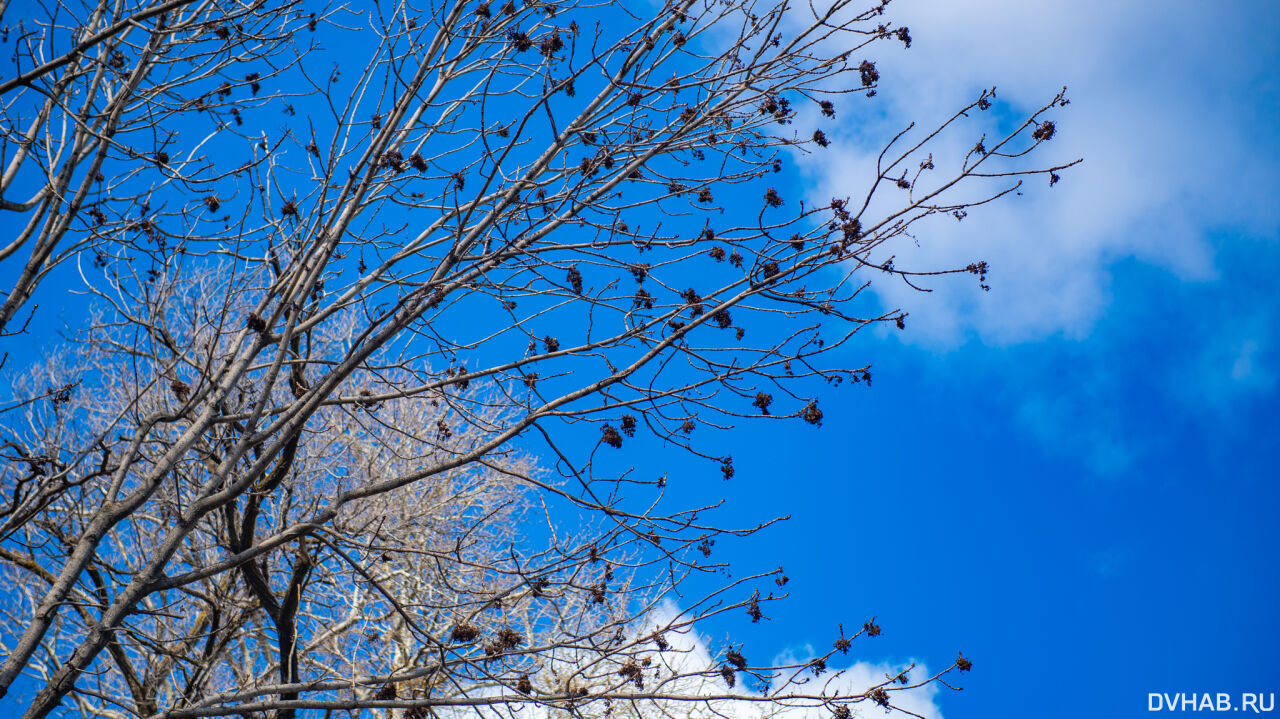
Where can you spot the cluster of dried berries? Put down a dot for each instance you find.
(1045, 131)
(818, 666)
(870, 75)
(841, 712)
(575, 279)
(628, 424)
(812, 414)
(769, 269)
(979, 269)
(255, 323)
(510, 638)
(464, 632)
(551, 343)
(610, 436)
(852, 231)
(519, 40)
(289, 209)
(632, 673)
(62, 395)
(704, 195)
(717, 253)
(842, 643)
(762, 402)
(726, 672)
(462, 382)
(642, 300)
(117, 61)
(523, 685)
(820, 137)
(691, 298)
(726, 467)
(736, 659)
(386, 693)
(443, 430)
(753, 611)
(782, 113)
(772, 198)
(705, 546)
(530, 380)
(551, 44)
(150, 229)
(880, 696)
(872, 629)
(392, 160)
(963, 664)
(722, 319)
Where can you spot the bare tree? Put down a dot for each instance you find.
(376, 289)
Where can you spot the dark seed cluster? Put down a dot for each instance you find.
(610, 436)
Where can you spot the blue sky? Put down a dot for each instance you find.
(1071, 478)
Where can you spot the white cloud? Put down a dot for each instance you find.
(1163, 112)
(692, 653)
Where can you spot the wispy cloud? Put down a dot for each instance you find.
(1169, 117)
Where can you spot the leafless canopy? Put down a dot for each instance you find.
(376, 294)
